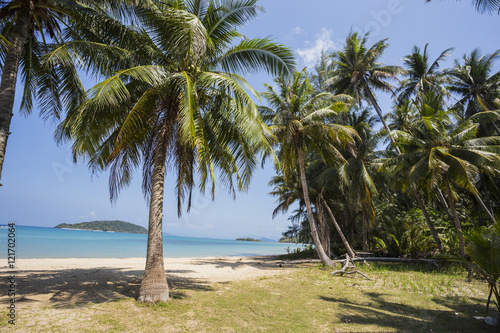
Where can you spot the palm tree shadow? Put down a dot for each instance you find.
(382, 312)
(259, 262)
(77, 287)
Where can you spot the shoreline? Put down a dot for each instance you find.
(208, 269)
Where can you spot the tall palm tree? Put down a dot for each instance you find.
(475, 83)
(297, 119)
(440, 153)
(29, 26)
(356, 173)
(402, 117)
(423, 76)
(356, 71)
(181, 107)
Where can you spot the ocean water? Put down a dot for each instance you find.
(42, 242)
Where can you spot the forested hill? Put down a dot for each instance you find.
(116, 226)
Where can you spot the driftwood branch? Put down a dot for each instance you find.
(348, 263)
(302, 261)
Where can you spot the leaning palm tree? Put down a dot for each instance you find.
(356, 71)
(440, 153)
(182, 107)
(297, 119)
(30, 27)
(421, 75)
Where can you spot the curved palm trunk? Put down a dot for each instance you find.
(325, 260)
(9, 79)
(337, 227)
(443, 203)
(428, 220)
(485, 209)
(373, 101)
(455, 217)
(154, 285)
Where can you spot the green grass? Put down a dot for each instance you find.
(399, 298)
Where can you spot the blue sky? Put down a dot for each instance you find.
(43, 187)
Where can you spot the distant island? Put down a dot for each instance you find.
(248, 239)
(288, 240)
(114, 226)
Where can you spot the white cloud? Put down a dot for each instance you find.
(323, 41)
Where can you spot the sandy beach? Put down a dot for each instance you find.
(71, 281)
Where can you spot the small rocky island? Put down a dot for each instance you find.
(110, 226)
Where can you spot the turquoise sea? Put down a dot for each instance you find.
(42, 242)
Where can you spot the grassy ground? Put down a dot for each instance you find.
(399, 298)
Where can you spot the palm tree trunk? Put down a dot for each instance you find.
(485, 209)
(325, 260)
(324, 232)
(9, 79)
(365, 228)
(337, 227)
(374, 103)
(154, 285)
(428, 220)
(443, 203)
(455, 217)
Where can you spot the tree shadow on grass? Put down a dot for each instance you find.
(259, 262)
(76, 287)
(384, 311)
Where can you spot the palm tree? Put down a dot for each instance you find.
(478, 88)
(422, 76)
(438, 152)
(402, 118)
(355, 173)
(26, 25)
(181, 107)
(297, 119)
(356, 71)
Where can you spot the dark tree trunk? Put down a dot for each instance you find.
(9, 79)
(325, 260)
(455, 217)
(154, 285)
(337, 227)
(428, 220)
(442, 200)
(324, 229)
(484, 208)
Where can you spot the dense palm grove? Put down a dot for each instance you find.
(416, 180)
(410, 187)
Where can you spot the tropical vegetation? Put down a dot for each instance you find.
(173, 98)
(183, 105)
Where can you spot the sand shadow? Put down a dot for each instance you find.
(259, 262)
(68, 288)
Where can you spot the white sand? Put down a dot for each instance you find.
(70, 281)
